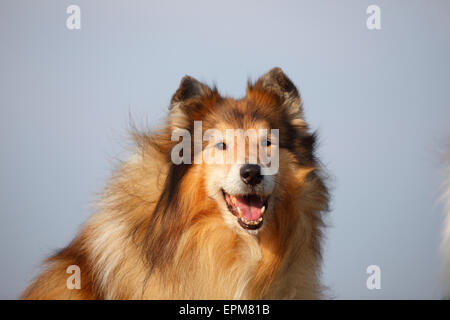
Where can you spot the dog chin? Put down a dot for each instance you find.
(246, 211)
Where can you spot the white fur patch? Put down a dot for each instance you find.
(234, 185)
(106, 249)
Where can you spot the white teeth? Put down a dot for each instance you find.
(253, 222)
(240, 213)
(233, 200)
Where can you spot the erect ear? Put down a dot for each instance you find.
(278, 83)
(189, 90)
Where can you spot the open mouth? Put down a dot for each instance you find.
(249, 209)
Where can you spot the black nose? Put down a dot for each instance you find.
(251, 174)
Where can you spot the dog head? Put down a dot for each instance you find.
(251, 152)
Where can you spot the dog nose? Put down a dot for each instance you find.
(251, 174)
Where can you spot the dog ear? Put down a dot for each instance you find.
(188, 93)
(189, 88)
(277, 82)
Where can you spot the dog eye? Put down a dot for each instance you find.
(221, 146)
(265, 143)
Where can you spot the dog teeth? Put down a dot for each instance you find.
(240, 213)
(253, 222)
(241, 216)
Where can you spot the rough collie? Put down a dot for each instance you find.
(195, 229)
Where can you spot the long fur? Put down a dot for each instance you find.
(158, 234)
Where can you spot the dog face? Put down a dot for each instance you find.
(249, 147)
(236, 177)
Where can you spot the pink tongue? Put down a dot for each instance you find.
(250, 207)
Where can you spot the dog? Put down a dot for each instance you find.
(170, 229)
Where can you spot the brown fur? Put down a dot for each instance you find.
(158, 235)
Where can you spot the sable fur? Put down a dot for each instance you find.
(159, 235)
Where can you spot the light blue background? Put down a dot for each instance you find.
(380, 100)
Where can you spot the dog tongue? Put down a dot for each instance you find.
(250, 207)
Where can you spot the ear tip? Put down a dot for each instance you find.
(275, 74)
(188, 84)
(187, 79)
(189, 88)
(276, 70)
